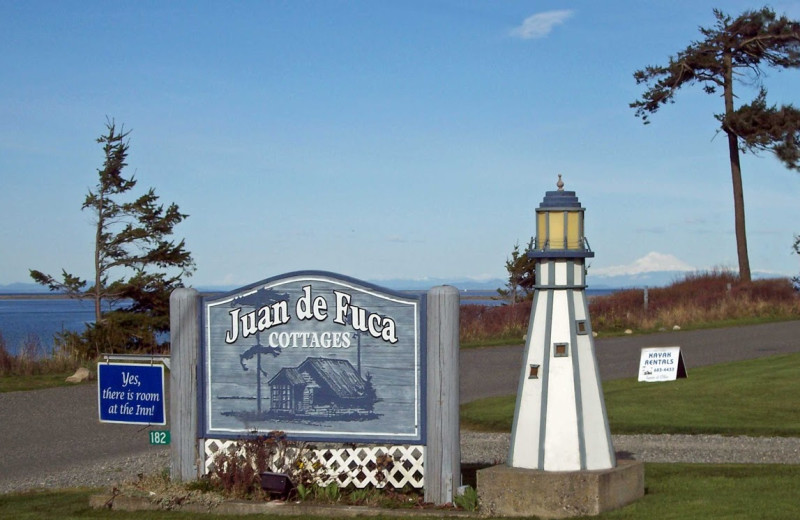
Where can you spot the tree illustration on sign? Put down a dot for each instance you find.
(256, 351)
(257, 300)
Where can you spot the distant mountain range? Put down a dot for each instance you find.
(594, 281)
(23, 288)
(624, 281)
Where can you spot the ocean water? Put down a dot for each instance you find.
(40, 319)
(492, 298)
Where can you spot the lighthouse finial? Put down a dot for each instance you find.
(560, 183)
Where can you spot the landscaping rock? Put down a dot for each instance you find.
(80, 375)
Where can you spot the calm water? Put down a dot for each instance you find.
(490, 298)
(28, 319)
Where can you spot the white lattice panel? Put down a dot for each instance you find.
(359, 466)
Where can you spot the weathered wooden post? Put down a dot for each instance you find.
(184, 330)
(443, 453)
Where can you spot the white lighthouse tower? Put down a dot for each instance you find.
(560, 421)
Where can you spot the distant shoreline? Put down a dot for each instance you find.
(35, 296)
(492, 295)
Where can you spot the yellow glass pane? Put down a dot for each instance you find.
(573, 230)
(541, 230)
(556, 229)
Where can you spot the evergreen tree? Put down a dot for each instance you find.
(133, 245)
(521, 275)
(736, 49)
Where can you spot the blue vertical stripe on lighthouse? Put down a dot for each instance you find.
(612, 455)
(573, 338)
(551, 279)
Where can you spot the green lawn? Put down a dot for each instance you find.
(757, 397)
(15, 383)
(706, 491)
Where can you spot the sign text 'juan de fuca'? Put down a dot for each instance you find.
(316, 355)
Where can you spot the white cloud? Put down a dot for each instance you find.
(541, 24)
(651, 262)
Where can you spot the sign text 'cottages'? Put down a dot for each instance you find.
(316, 355)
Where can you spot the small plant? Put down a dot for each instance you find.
(330, 493)
(467, 500)
(383, 464)
(359, 497)
(237, 470)
(304, 492)
(203, 485)
(6, 359)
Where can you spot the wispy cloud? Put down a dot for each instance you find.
(541, 24)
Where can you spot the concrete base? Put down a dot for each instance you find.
(506, 491)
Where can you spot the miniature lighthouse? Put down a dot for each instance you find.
(560, 421)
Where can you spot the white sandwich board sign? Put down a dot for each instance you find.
(661, 364)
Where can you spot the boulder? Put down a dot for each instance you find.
(80, 375)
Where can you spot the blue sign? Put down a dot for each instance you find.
(316, 355)
(130, 393)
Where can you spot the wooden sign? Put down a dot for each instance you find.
(661, 364)
(316, 355)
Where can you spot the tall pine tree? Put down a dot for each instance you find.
(735, 49)
(136, 263)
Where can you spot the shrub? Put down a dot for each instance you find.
(504, 322)
(236, 471)
(31, 359)
(698, 299)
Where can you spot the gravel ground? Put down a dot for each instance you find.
(104, 473)
(480, 448)
(476, 448)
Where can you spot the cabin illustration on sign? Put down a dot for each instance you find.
(322, 387)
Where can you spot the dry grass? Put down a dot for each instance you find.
(699, 300)
(482, 323)
(32, 360)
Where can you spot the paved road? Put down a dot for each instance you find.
(492, 371)
(51, 430)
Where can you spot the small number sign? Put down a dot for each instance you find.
(159, 437)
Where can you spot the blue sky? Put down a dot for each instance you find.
(378, 140)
